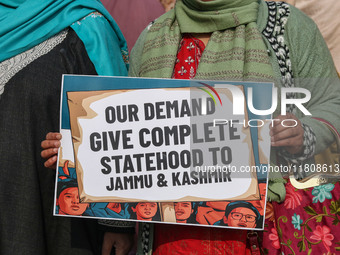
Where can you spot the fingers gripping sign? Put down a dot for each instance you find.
(50, 148)
(287, 131)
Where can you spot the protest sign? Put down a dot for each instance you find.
(162, 145)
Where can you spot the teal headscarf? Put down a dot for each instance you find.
(26, 23)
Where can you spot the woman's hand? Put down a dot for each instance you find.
(50, 148)
(287, 136)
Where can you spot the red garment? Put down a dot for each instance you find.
(188, 57)
(176, 239)
(307, 221)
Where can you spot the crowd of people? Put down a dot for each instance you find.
(239, 40)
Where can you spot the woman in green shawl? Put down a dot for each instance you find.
(242, 40)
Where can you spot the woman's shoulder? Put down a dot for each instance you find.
(104, 43)
(164, 20)
(272, 13)
(285, 25)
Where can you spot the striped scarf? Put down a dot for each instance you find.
(235, 51)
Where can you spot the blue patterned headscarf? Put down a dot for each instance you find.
(26, 23)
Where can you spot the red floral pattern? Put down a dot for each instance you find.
(274, 237)
(293, 198)
(304, 226)
(188, 57)
(322, 233)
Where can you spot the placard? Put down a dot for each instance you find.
(178, 151)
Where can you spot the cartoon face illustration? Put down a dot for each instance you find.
(145, 211)
(241, 217)
(183, 210)
(68, 202)
(241, 214)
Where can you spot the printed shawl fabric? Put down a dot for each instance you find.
(236, 51)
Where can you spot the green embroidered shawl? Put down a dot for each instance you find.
(235, 51)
